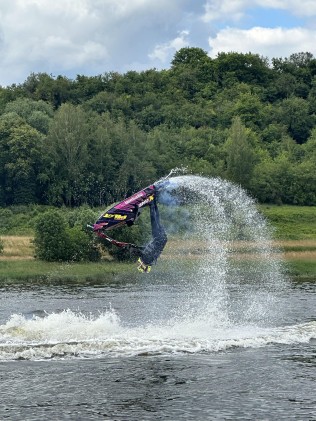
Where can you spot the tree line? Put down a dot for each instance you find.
(94, 140)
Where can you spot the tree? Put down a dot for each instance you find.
(247, 68)
(312, 97)
(241, 156)
(281, 87)
(98, 138)
(303, 186)
(309, 147)
(294, 113)
(67, 145)
(248, 107)
(299, 65)
(20, 162)
(85, 87)
(37, 114)
(191, 68)
(272, 180)
(41, 86)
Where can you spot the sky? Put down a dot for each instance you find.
(91, 37)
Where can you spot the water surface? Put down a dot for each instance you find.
(106, 352)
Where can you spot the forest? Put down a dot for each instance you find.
(96, 139)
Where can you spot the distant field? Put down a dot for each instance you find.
(17, 247)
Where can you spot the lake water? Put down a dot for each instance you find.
(148, 349)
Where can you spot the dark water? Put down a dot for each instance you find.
(142, 350)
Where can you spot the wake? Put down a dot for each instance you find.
(69, 335)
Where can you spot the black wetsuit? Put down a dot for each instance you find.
(150, 253)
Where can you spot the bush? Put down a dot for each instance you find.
(20, 220)
(82, 246)
(6, 218)
(52, 242)
(82, 216)
(1, 246)
(56, 241)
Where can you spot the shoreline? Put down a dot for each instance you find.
(17, 262)
(26, 270)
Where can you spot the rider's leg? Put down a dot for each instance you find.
(152, 250)
(154, 219)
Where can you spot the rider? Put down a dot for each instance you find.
(150, 253)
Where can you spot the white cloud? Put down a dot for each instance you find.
(80, 36)
(163, 52)
(232, 10)
(268, 42)
(45, 35)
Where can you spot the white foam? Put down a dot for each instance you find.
(71, 335)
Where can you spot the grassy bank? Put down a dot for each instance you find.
(291, 222)
(17, 263)
(51, 272)
(294, 232)
(303, 269)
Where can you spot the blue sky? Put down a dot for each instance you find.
(270, 18)
(91, 37)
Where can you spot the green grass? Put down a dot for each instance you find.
(32, 270)
(302, 270)
(291, 222)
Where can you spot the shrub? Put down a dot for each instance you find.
(1, 246)
(82, 216)
(82, 246)
(56, 241)
(52, 242)
(6, 219)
